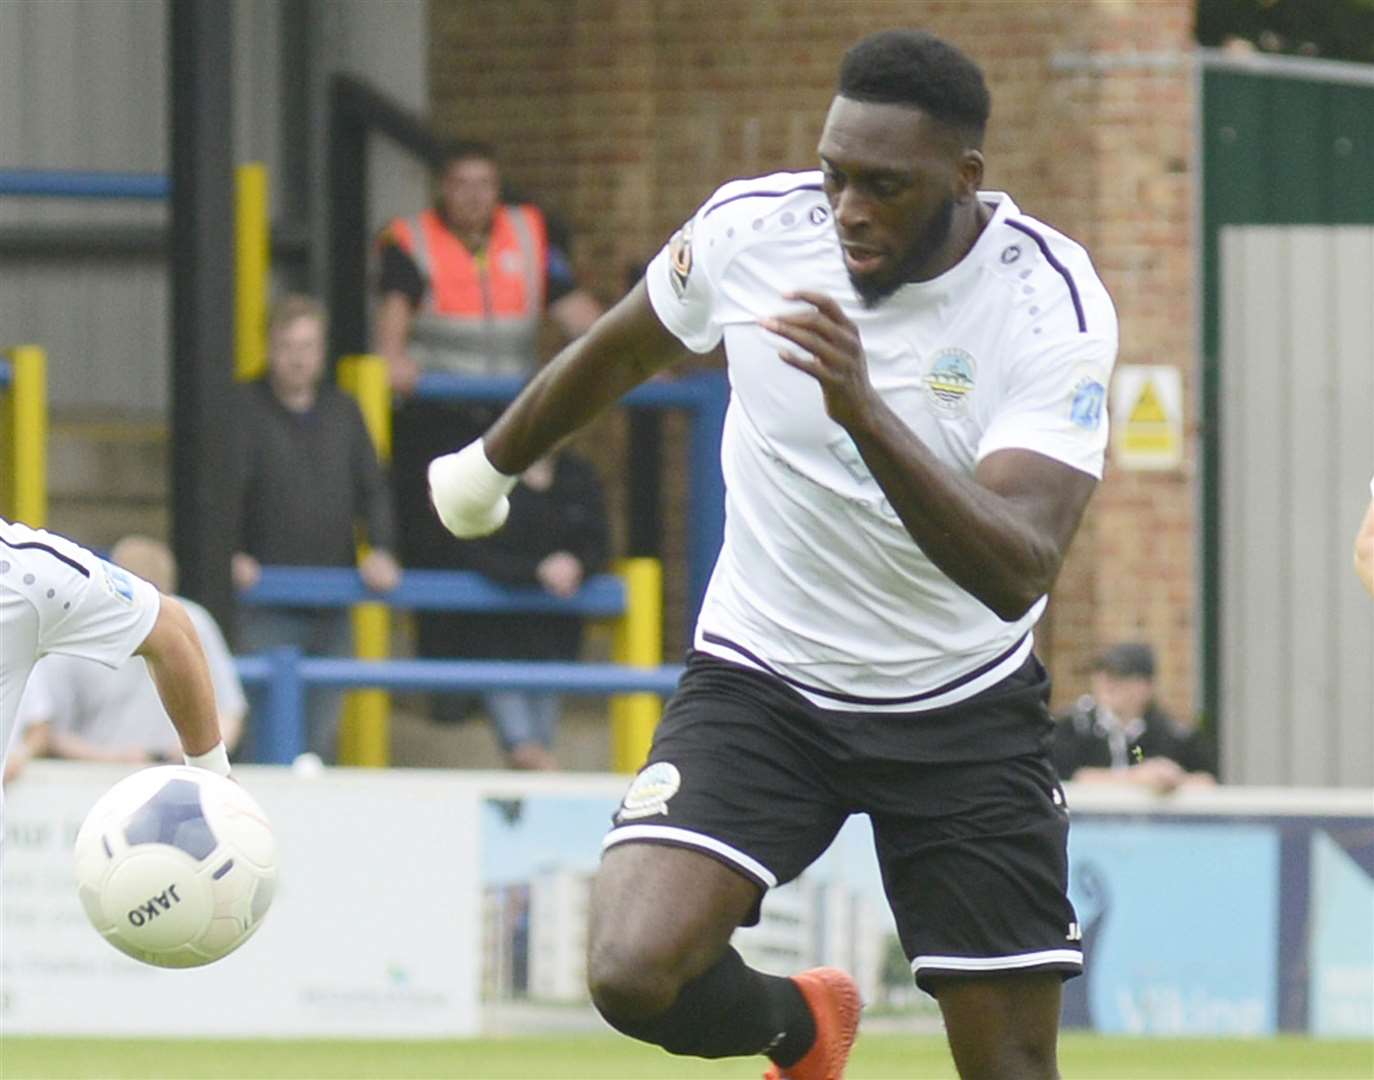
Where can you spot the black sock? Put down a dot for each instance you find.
(731, 1011)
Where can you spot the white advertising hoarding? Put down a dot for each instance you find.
(374, 930)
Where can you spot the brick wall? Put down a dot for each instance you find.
(621, 116)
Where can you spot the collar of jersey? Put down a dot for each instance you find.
(966, 269)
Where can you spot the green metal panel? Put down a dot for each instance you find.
(1276, 150)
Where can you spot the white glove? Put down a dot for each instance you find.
(468, 492)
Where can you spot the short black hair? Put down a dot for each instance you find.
(463, 150)
(913, 67)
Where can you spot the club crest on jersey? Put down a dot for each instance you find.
(1085, 405)
(680, 259)
(649, 794)
(950, 381)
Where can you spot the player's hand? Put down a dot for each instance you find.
(468, 493)
(833, 356)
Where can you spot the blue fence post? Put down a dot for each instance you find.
(281, 736)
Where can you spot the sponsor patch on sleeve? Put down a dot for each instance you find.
(117, 582)
(1087, 402)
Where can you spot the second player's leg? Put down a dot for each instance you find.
(1003, 1027)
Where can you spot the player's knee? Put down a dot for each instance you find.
(630, 983)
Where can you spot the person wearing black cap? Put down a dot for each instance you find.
(1119, 734)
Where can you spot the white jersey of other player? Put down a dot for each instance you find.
(57, 597)
(818, 581)
(120, 708)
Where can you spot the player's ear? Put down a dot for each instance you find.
(970, 174)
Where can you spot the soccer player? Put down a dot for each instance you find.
(57, 597)
(918, 373)
(1364, 545)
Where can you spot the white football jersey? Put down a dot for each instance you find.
(120, 707)
(818, 582)
(57, 597)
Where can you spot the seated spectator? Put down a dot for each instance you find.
(78, 709)
(1119, 734)
(305, 474)
(556, 535)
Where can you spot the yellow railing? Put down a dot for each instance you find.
(365, 729)
(252, 270)
(639, 643)
(24, 437)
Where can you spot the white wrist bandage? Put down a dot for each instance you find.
(468, 492)
(215, 760)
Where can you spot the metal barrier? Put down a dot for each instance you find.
(286, 674)
(633, 598)
(75, 184)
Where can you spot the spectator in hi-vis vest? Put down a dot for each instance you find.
(464, 287)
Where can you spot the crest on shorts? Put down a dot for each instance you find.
(949, 381)
(649, 794)
(680, 259)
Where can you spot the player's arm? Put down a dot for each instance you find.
(622, 349)
(177, 663)
(1364, 549)
(1002, 533)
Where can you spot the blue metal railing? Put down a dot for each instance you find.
(601, 596)
(6, 373)
(287, 674)
(79, 184)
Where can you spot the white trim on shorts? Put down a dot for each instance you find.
(998, 963)
(687, 838)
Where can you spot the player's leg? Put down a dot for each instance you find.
(976, 870)
(1003, 1027)
(723, 811)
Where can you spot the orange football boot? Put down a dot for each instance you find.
(833, 998)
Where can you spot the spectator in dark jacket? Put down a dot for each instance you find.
(305, 475)
(557, 535)
(1119, 734)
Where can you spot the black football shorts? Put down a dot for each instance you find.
(973, 853)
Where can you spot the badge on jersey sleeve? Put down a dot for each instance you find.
(1088, 397)
(117, 581)
(680, 259)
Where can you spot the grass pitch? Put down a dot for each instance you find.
(598, 1057)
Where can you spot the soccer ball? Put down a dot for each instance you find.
(176, 866)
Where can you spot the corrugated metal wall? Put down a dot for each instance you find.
(1297, 412)
(84, 86)
(1288, 415)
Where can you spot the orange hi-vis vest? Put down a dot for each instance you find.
(480, 314)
